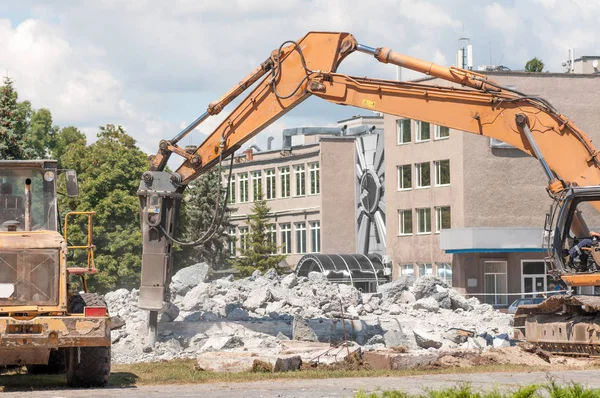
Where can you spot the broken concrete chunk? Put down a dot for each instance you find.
(289, 364)
(317, 277)
(210, 317)
(377, 339)
(301, 331)
(350, 295)
(426, 339)
(255, 274)
(195, 297)
(428, 304)
(271, 274)
(426, 286)
(391, 291)
(476, 343)
(289, 281)
(170, 312)
(238, 314)
(257, 299)
(497, 343)
(188, 277)
(457, 336)
(116, 322)
(221, 343)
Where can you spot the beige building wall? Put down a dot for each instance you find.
(420, 248)
(338, 195)
(489, 187)
(505, 187)
(293, 210)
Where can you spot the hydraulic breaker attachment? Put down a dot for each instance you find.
(160, 196)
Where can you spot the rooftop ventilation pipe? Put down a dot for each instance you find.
(363, 129)
(269, 141)
(288, 133)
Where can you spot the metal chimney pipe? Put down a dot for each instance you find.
(269, 141)
(28, 204)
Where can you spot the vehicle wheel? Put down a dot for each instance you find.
(56, 364)
(88, 366)
(78, 301)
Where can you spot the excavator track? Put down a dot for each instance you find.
(566, 325)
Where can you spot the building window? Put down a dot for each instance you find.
(284, 173)
(423, 175)
(315, 179)
(403, 131)
(424, 221)
(243, 238)
(272, 236)
(495, 283)
(300, 237)
(231, 193)
(444, 272)
(442, 218)
(243, 187)
(425, 269)
(404, 177)
(286, 238)
(315, 236)
(257, 185)
(270, 180)
(405, 225)
(423, 131)
(535, 280)
(441, 132)
(407, 269)
(442, 172)
(231, 242)
(300, 175)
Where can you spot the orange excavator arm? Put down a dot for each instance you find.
(471, 103)
(308, 67)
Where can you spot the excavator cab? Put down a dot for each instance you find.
(573, 247)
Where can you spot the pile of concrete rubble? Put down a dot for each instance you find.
(262, 312)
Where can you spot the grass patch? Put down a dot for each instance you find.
(183, 372)
(465, 390)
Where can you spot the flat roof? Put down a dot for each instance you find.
(521, 74)
(360, 117)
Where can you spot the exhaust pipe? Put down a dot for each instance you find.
(28, 204)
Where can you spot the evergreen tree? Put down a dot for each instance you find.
(199, 206)
(260, 248)
(12, 122)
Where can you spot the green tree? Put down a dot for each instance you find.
(200, 204)
(66, 138)
(40, 133)
(534, 65)
(109, 172)
(260, 248)
(13, 119)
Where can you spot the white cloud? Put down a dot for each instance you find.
(153, 65)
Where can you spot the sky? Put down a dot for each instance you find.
(153, 66)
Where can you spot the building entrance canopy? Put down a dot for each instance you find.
(345, 268)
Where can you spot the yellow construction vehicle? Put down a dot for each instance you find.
(44, 325)
(473, 104)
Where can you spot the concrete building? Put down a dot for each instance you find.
(471, 209)
(310, 186)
